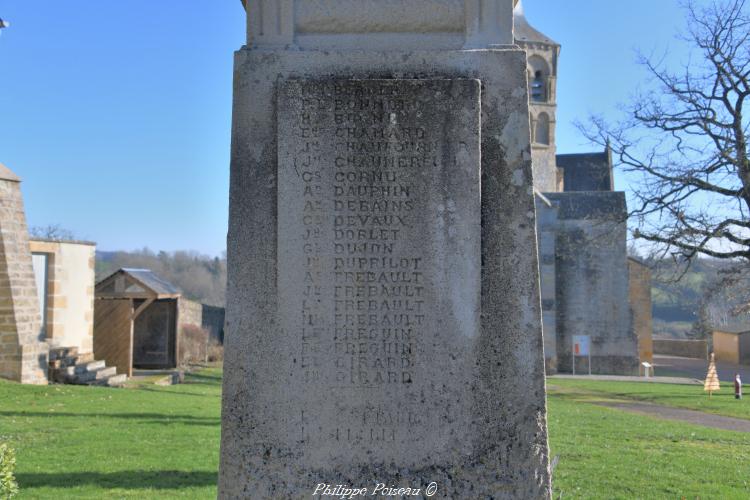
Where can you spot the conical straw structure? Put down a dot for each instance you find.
(712, 378)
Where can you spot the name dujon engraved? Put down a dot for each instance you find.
(379, 267)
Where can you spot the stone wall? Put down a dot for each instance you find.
(640, 304)
(546, 231)
(23, 357)
(697, 349)
(192, 338)
(70, 292)
(213, 321)
(592, 281)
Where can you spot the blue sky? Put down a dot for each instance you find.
(117, 114)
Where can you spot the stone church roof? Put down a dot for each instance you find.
(587, 171)
(524, 32)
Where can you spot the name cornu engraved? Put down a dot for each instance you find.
(355, 172)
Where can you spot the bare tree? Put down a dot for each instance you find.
(725, 304)
(685, 141)
(53, 232)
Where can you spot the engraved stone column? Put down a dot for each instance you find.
(384, 322)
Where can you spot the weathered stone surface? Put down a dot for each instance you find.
(488, 440)
(379, 270)
(380, 24)
(23, 356)
(69, 319)
(592, 282)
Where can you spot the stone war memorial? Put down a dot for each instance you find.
(384, 315)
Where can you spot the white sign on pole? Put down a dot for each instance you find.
(581, 345)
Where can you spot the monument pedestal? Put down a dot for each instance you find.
(384, 321)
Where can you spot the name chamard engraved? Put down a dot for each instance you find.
(378, 202)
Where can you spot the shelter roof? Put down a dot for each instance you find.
(136, 284)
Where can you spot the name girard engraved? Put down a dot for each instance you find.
(361, 170)
(358, 203)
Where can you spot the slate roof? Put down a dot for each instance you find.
(524, 32)
(587, 171)
(152, 281)
(145, 278)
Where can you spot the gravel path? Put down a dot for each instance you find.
(689, 416)
(697, 368)
(622, 378)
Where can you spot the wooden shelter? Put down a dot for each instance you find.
(142, 321)
(732, 346)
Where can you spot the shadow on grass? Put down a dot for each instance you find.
(684, 401)
(203, 377)
(160, 480)
(178, 390)
(158, 418)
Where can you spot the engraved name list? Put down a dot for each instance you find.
(361, 271)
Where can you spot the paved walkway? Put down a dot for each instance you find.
(688, 416)
(620, 378)
(678, 371)
(697, 368)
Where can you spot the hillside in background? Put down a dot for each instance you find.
(199, 277)
(677, 294)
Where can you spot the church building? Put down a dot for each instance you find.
(587, 289)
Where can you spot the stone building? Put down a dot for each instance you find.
(582, 234)
(65, 275)
(23, 350)
(46, 302)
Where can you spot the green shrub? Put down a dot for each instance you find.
(8, 485)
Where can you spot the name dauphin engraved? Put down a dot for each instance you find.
(357, 168)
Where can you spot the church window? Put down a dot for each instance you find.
(539, 79)
(542, 131)
(538, 90)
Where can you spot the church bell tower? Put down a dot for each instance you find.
(543, 54)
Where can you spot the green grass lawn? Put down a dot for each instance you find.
(163, 442)
(607, 453)
(690, 397)
(94, 443)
